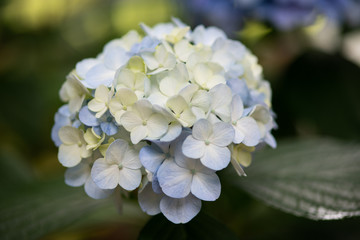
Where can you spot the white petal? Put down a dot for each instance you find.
(250, 129)
(175, 181)
(77, 176)
(130, 120)
(174, 130)
(116, 151)
(170, 86)
(180, 210)
(239, 135)
(202, 130)
(270, 140)
(85, 65)
(129, 179)
(138, 133)
(206, 187)
(143, 108)
(177, 104)
(69, 155)
(157, 125)
(193, 148)
(115, 57)
(69, 135)
(99, 75)
(215, 157)
(237, 108)
(223, 134)
(149, 201)
(131, 159)
(126, 96)
(150, 60)
(92, 190)
(104, 175)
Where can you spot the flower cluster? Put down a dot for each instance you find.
(162, 113)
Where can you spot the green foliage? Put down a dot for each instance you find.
(318, 179)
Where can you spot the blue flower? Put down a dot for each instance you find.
(106, 123)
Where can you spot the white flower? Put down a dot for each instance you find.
(122, 102)
(100, 103)
(207, 36)
(136, 81)
(176, 210)
(177, 34)
(159, 31)
(74, 92)
(80, 175)
(208, 75)
(246, 129)
(73, 147)
(184, 175)
(181, 110)
(221, 97)
(143, 122)
(198, 100)
(121, 166)
(209, 143)
(265, 122)
(159, 61)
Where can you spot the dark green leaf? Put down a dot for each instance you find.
(43, 207)
(318, 179)
(201, 227)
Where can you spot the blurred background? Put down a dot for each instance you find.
(310, 53)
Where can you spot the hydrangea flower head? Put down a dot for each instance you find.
(161, 114)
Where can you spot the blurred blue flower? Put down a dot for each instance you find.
(282, 14)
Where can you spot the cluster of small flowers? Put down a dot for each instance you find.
(163, 113)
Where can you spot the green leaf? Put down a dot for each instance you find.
(318, 179)
(43, 207)
(201, 227)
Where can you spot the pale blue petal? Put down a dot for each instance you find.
(180, 210)
(174, 130)
(97, 130)
(151, 157)
(109, 128)
(215, 157)
(92, 190)
(175, 181)
(206, 187)
(239, 87)
(149, 201)
(193, 148)
(77, 176)
(156, 185)
(87, 117)
(223, 134)
(104, 175)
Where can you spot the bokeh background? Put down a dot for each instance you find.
(311, 58)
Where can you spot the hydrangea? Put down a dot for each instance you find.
(160, 115)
